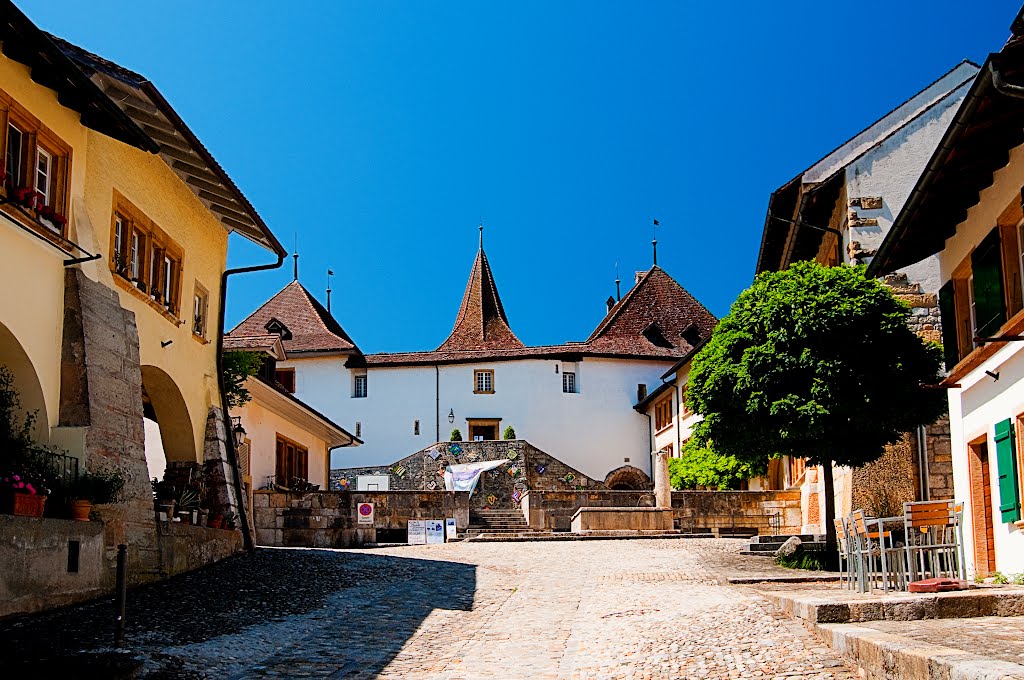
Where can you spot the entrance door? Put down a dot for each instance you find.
(483, 429)
(981, 508)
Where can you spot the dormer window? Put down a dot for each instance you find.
(277, 328)
(655, 336)
(691, 334)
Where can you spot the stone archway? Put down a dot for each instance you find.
(26, 382)
(628, 478)
(169, 431)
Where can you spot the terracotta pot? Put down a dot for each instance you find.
(23, 504)
(216, 523)
(80, 510)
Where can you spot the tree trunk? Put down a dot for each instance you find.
(831, 546)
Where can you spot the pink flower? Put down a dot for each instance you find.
(17, 478)
(30, 489)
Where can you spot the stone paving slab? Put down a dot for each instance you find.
(932, 650)
(845, 606)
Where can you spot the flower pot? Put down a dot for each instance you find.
(216, 523)
(80, 510)
(23, 504)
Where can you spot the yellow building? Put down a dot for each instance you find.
(115, 224)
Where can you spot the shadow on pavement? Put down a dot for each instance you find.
(346, 614)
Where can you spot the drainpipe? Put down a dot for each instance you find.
(232, 453)
(437, 404)
(650, 440)
(922, 452)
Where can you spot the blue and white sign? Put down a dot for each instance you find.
(449, 528)
(435, 531)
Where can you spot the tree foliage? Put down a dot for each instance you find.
(701, 466)
(510, 433)
(455, 436)
(815, 362)
(237, 367)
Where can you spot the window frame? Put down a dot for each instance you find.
(357, 379)
(296, 458)
(663, 413)
(35, 138)
(200, 325)
(483, 378)
(145, 261)
(288, 385)
(569, 376)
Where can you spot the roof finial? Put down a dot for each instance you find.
(655, 243)
(295, 257)
(481, 234)
(330, 273)
(618, 292)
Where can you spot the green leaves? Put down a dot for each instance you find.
(239, 366)
(701, 466)
(815, 362)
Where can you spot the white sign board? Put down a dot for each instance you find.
(417, 532)
(449, 528)
(373, 483)
(364, 513)
(435, 531)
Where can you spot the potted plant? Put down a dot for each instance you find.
(187, 502)
(94, 488)
(23, 494)
(163, 499)
(230, 520)
(216, 521)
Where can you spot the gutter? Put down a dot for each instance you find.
(230, 439)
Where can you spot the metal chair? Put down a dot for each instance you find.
(934, 539)
(871, 549)
(844, 540)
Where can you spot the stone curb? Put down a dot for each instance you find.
(883, 655)
(745, 580)
(853, 609)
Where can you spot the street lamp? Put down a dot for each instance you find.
(451, 416)
(238, 431)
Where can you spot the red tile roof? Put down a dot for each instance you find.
(481, 324)
(271, 344)
(312, 327)
(656, 318)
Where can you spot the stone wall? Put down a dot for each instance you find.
(536, 470)
(694, 511)
(328, 519)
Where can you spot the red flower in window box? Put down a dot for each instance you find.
(47, 212)
(25, 197)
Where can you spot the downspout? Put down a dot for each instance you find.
(437, 404)
(922, 452)
(679, 420)
(650, 440)
(232, 453)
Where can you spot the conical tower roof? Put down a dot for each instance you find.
(481, 323)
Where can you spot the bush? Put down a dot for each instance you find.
(700, 466)
(510, 432)
(802, 559)
(455, 436)
(237, 367)
(102, 486)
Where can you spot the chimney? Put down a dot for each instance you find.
(639, 275)
(610, 302)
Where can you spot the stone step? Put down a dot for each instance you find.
(781, 538)
(770, 548)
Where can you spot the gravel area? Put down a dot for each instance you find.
(572, 610)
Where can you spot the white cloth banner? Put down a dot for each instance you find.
(464, 476)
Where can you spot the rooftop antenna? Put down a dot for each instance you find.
(618, 291)
(655, 242)
(330, 273)
(295, 257)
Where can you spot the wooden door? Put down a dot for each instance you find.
(981, 529)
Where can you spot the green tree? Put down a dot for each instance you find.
(701, 466)
(455, 436)
(239, 366)
(817, 363)
(510, 433)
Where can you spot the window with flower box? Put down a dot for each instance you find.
(35, 169)
(146, 261)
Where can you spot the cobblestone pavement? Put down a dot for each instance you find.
(996, 637)
(635, 609)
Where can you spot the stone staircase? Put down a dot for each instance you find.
(767, 545)
(499, 523)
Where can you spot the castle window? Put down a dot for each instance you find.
(416, 427)
(569, 382)
(286, 377)
(663, 413)
(359, 387)
(483, 382)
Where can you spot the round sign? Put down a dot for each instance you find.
(365, 509)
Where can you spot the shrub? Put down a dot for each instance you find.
(237, 367)
(701, 466)
(455, 436)
(510, 432)
(802, 559)
(101, 486)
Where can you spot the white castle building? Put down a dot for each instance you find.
(574, 401)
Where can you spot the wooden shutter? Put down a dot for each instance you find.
(1006, 461)
(281, 469)
(987, 267)
(947, 308)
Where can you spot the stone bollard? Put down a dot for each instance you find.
(662, 487)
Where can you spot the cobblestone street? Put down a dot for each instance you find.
(583, 609)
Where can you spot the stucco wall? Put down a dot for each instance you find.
(262, 426)
(594, 431)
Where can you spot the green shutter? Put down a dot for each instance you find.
(947, 307)
(1006, 461)
(987, 268)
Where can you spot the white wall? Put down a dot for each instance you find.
(594, 430)
(262, 426)
(891, 170)
(982, 402)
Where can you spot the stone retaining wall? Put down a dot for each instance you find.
(327, 519)
(696, 511)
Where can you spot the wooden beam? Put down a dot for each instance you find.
(225, 210)
(144, 118)
(180, 154)
(191, 169)
(125, 98)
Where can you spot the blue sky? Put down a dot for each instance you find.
(381, 132)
